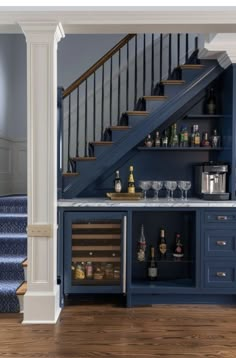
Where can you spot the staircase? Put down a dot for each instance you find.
(163, 102)
(13, 250)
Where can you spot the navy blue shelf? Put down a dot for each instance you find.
(186, 149)
(177, 285)
(205, 116)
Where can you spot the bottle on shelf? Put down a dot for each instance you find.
(174, 141)
(205, 141)
(141, 251)
(117, 182)
(184, 140)
(73, 269)
(211, 102)
(162, 244)
(131, 183)
(79, 271)
(179, 249)
(195, 136)
(157, 139)
(148, 141)
(152, 265)
(164, 140)
(215, 139)
(89, 270)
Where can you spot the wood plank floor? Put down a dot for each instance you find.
(105, 330)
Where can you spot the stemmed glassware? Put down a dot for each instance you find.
(156, 186)
(170, 187)
(180, 186)
(186, 185)
(145, 185)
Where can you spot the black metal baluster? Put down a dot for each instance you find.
(77, 125)
(135, 70)
(170, 57)
(186, 48)
(102, 104)
(86, 120)
(118, 109)
(161, 55)
(94, 106)
(111, 67)
(69, 129)
(178, 49)
(127, 77)
(144, 64)
(196, 43)
(152, 68)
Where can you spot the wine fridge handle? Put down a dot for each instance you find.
(124, 252)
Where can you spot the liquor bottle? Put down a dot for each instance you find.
(164, 140)
(152, 265)
(184, 140)
(192, 140)
(162, 244)
(179, 249)
(131, 183)
(205, 141)
(215, 139)
(173, 142)
(211, 102)
(141, 251)
(117, 183)
(148, 141)
(195, 138)
(157, 140)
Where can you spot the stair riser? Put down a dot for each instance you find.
(11, 246)
(10, 206)
(100, 149)
(10, 275)
(21, 303)
(172, 90)
(189, 75)
(134, 120)
(13, 225)
(68, 180)
(151, 106)
(117, 135)
(83, 166)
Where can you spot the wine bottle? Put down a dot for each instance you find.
(205, 141)
(179, 249)
(157, 140)
(141, 252)
(117, 183)
(197, 138)
(211, 102)
(174, 141)
(152, 265)
(162, 244)
(131, 183)
(148, 141)
(164, 140)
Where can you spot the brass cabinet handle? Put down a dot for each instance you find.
(221, 274)
(222, 217)
(221, 243)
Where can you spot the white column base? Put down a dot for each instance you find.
(41, 307)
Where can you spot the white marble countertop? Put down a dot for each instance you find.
(151, 203)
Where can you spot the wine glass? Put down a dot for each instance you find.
(180, 186)
(186, 185)
(156, 186)
(170, 186)
(145, 185)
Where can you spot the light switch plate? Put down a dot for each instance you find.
(39, 230)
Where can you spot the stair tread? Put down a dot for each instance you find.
(11, 215)
(192, 66)
(13, 236)
(114, 128)
(15, 259)
(70, 174)
(137, 113)
(173, 82)
(25, 263)
(21, 290)
(155, 98)
(102, 143)
(84, 158)
(9, 286)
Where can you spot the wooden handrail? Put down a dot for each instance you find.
(97, 64)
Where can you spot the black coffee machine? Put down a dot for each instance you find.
(210, 180)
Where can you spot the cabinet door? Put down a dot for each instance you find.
(95, 250)
(220, 274)
(223, 217)
(220, 243)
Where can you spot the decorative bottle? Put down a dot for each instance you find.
(215, 139)
(205, 141)
(152, 265)
(179, 249)
(148, 141)
(173, 142)
(211, 102)
(162, 244)
(157, 139)
(164, 140)
(117, 183)
(141, 251)
(131, 183)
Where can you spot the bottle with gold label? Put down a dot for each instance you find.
(162, 244)
(131, 183)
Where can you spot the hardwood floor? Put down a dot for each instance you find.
(105, 330)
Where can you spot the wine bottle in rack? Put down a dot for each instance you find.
(162, 244)
(152, 265)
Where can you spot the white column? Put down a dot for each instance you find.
(41, 302)
(220, 46)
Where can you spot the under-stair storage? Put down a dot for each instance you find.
(95, 250)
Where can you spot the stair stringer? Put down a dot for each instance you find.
(173, 108)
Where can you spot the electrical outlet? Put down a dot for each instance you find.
(39, 230)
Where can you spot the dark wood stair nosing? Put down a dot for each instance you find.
(191, 66)
(155, 98)
(119, 128)
(137, 113)
(84, 159)
(173, 82)
(72, 174)
(21, 290)
(101, 143)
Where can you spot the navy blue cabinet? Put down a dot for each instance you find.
(94, 252)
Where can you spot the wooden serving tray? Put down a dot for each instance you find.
(125, 196)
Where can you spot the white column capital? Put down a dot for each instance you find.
(42, 31)
(221, 46)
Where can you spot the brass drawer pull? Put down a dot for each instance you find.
(221, 274)
(221, 243)
(222, 217)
